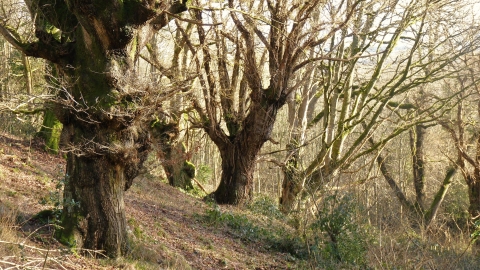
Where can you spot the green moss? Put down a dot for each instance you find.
(66, 235)
(189, 169)
(50, 132)
(134, 47)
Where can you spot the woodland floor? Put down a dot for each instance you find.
(167, 226)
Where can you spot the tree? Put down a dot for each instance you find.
(464, 132)
(259, 47)
(102, 104)
(418, 207)
(361, 92)
(18, 84)
(170, 130)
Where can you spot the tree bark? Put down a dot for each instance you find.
(94, 212)
(291, 185)
(431, 213)
(27, 73)
(50, 131)
(473, 183)
(239, 154)
(236, 184)
(418, 158)
(180, 172)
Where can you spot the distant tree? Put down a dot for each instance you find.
(170, 127)
(417, 208)
(463, 127)
(17, 89)
(386, 52)
(102, 103)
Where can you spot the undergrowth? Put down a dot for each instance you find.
(273, 235)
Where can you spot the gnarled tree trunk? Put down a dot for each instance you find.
(94, 211)
(239, 155)
(100, 99)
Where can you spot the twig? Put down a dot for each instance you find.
(32, 247)
(46, 258)
(200, 185)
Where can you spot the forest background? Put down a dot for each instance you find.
(353, 124)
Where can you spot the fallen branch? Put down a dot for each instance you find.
(200, 185)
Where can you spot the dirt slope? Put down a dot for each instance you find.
(166, 225)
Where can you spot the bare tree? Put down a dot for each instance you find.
(260, 46)
(361, 93)
(463, 129)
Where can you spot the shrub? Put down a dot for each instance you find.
(337, 237)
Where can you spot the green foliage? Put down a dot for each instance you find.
(456, 206)
(266, 206)
(54, 216)
(195, 191)
(54, 199)
(274, 237)
(204, 173)
(476, 231)
(137, 231)
(337, 236)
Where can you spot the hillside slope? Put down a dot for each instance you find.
(169, 229)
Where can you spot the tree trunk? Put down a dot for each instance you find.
(27, 73)
(418, 160)
(439, 196)
(94, 212)
(291, 187)
(50, 131)
(236, 184)
(473, 183)
(103, 159)
(102, 103)
(180, 171)
(239, 154)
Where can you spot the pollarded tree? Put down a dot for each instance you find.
(102, 104)
(246, 68)
(170, 128)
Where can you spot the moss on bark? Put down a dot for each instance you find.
(50, 132)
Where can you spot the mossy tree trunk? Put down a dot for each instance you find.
(51, 127)
(50, 131)
(94, 45)
(170, 132)
(180, 171)
(173, 155)
(417, 146)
